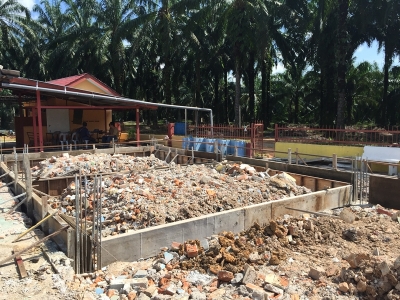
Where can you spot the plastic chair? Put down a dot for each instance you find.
(63, 140)
(74, 139)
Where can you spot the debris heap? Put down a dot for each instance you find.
(148, 196)
(87, 163)
(290, 258)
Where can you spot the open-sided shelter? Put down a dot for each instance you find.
(62, 105)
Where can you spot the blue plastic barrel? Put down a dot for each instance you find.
(187, 143)
(231, 147)
(222, 146)
(209, 145)
(240, 146)
(198, 144)
(179, 128)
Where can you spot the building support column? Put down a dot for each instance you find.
(137, 127)
(105, 121)
(35, 132)
(39, 115)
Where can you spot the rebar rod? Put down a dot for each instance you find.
(77, 240)
(85, 265)
(100, 209)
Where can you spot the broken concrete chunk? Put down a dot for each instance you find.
(347, 215)
(316, 272)
(250, 274)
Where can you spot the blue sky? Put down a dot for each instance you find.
(363, 53)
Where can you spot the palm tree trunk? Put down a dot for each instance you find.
(198, 81)
(167, 81)
(251, 75)
(385, 88)
(237, 91)
(296, 107)
(341, 58)
(264, 103)
(217, 104)
(226, 96)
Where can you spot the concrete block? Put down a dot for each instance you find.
(140, 274)
(138, 282)
(117, 284)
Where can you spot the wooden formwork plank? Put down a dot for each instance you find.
(338, 184)
(298, 178)
(323, 184)
(310, 183)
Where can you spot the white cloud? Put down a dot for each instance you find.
(27, 3)
(278, 69)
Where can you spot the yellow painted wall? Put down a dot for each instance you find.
(321, 150)
(281, 149)
(88, 86)
(96, 119)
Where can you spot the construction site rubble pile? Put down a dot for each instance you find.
(47, 270)
(306, 257)
(85, 164)
(153, 197)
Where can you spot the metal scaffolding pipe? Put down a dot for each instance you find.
(105, 97)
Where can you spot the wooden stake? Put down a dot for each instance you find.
(20, 264)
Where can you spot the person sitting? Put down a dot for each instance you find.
(84, 134)
(112, 134)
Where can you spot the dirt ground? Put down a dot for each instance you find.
(43, 280)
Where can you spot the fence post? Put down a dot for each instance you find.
(334, 161)
(15, 170)
(276, 132)
(297, 156)
(28, 184)
(290, 156)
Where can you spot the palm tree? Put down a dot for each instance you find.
(51, 25)
(363, 90)
(114, 17)
(388, 31)
(82, 37)
(341, 52)
(14, 31)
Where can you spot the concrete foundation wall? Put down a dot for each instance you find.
(343, 176)
(147, 242)
(383, 190)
